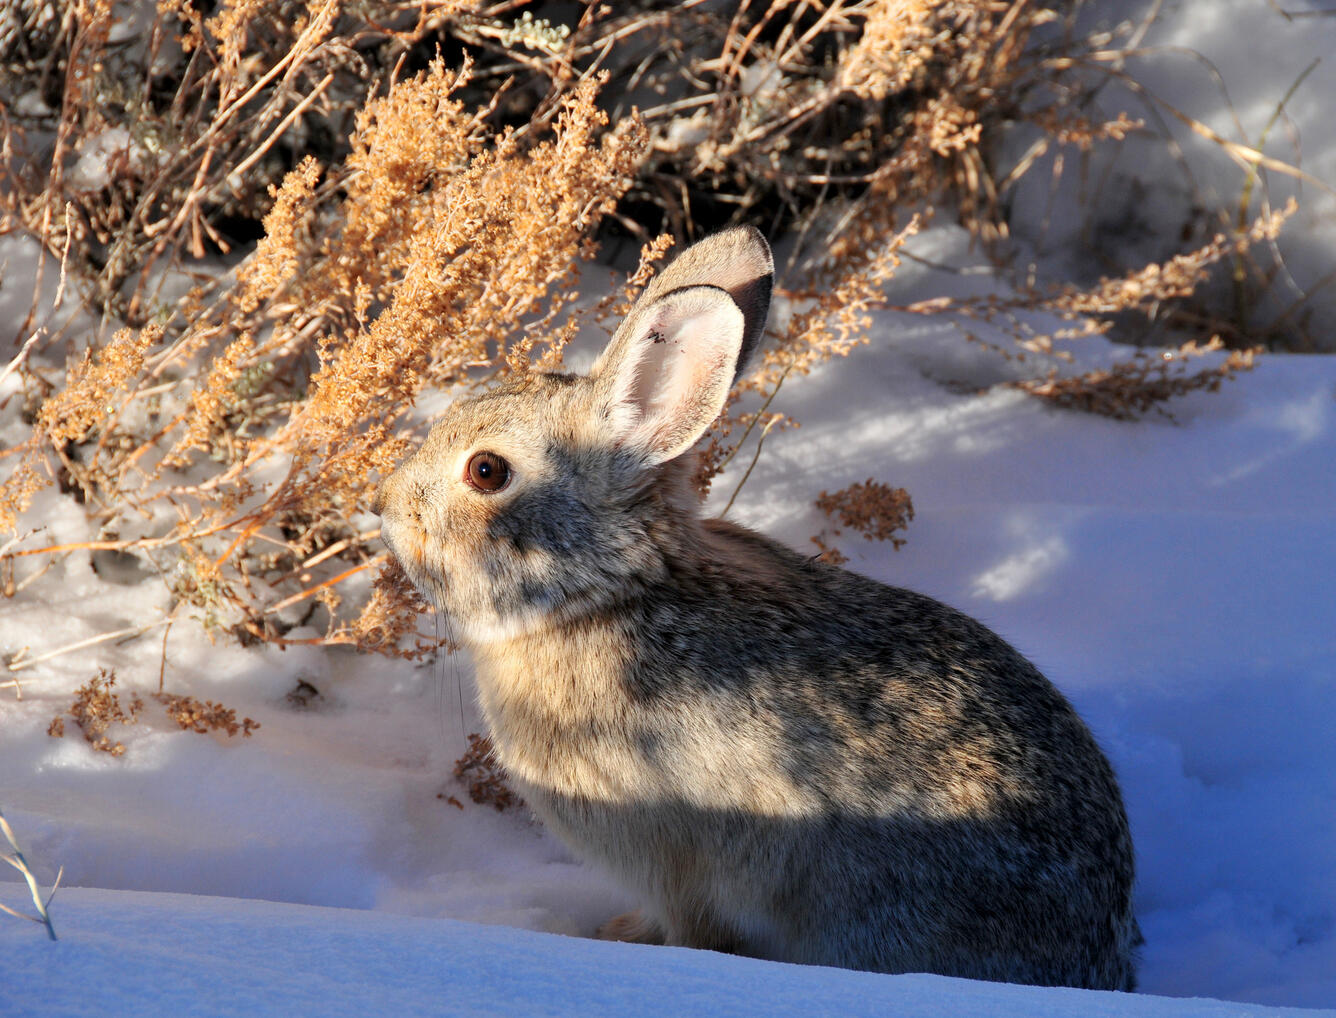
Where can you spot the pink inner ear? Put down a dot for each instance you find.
(678, 360)
(680, 364)
(654, 379)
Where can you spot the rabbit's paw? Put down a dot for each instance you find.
(631, 928)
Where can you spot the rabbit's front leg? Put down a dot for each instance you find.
(701, 929)
(631, 928)
(684, 930)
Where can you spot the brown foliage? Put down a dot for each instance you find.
(158, 145)
(1147, 381)
(480, 773)
(873, 509)
(94, 384)
(95, 709)
(448, 237)
(205, 717)
(772, 111)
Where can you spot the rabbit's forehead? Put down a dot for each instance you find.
(531, 417)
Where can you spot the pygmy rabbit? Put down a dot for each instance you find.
(782, 758)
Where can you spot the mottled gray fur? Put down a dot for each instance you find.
(782, 758)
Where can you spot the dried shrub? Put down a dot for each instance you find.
(194, 716)
(448, 237)
(422, 223)
(132, 152)
(480, 773)
(95, 709)
(94, 384)
(777, 112)
(18, 491)
(1149, 379)
(393, 609)
(1146, 381)
(872, 508)
(1175, 279)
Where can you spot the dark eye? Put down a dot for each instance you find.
(487, 471)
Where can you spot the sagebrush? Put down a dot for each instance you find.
(312, 216)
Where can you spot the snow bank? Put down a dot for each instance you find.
(179, 955)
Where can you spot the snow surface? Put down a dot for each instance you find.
(1174, 577)
(185, 956)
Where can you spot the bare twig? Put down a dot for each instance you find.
(1244, 155)
(756, 455)
(19, 358)
(17, 860)
(312, 591)
(281, 129)
(19, 662)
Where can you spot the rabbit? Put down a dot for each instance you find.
(780, 758)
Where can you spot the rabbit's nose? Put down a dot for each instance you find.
(378, 499)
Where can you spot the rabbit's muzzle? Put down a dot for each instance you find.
(391, 502)
(400, 521)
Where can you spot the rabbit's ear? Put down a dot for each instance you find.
(665, 375)
(736, 260)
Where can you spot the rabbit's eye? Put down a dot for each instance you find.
(487, 471)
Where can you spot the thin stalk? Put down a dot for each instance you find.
(756, 417)
(756, 455)
(21, 864)
(131, 631)
(1240, 274)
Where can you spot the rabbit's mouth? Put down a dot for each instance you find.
(407, 544)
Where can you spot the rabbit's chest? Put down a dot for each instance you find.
(564, 733)
(555, 730)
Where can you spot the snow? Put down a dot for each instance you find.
(1174, 577)
(180, 955)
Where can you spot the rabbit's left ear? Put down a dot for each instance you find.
(736, 260)
(666, 374)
